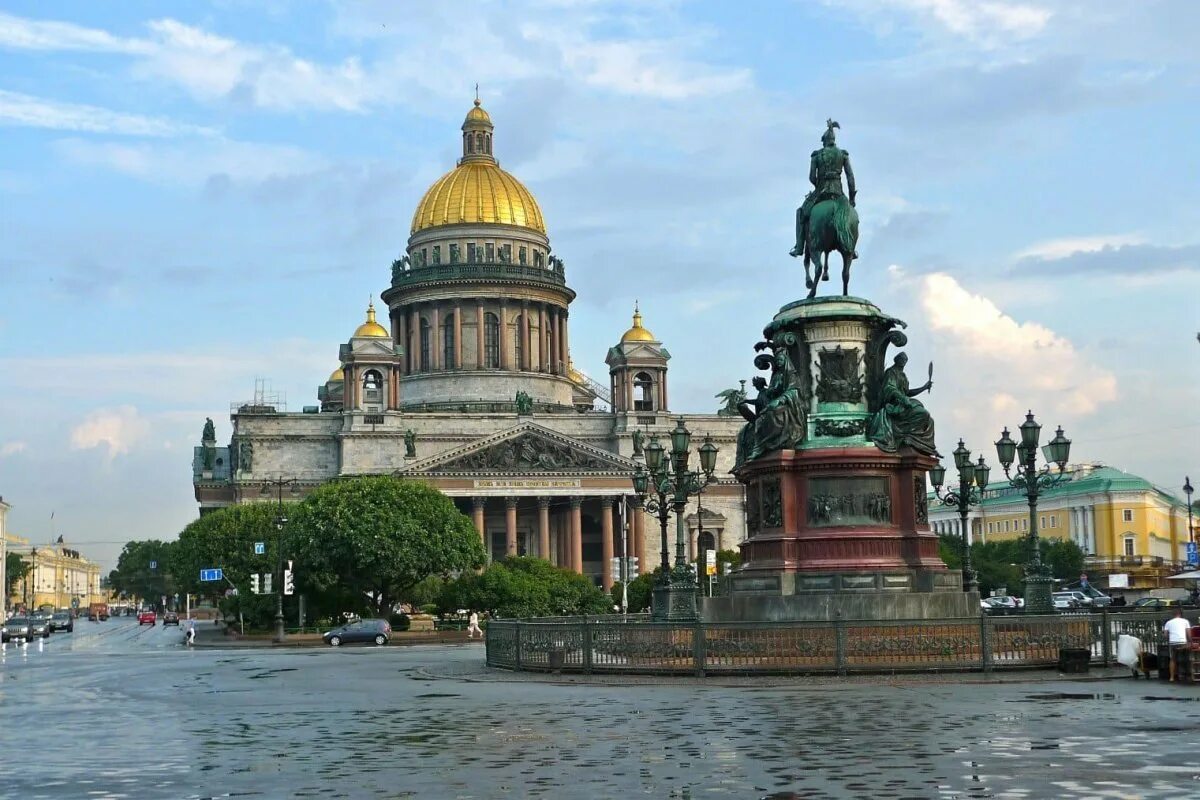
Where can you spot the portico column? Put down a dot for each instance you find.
(414, 338)
(478, 505)
(553, 314)
(526, 356)
(480, 359)
(505, 360)
(606, 542)
(662, 380)
(400, 328)
(544, 528)
(639, 534)
(566, 342)
(458, 336)
(576, 534)
(543, 335)
(435, 338)
(510, 525)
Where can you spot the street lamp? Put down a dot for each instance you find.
(281, 521)
(673, 484)
(1187, 491)
(1038, 582)
(972, 480)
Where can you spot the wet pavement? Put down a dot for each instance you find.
(114, 711)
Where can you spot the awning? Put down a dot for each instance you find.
(1194, 575)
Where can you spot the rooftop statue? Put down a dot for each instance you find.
(827, 221)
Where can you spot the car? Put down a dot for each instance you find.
(362, 630)
(39, 626)
(147, 618)
(1003, 604)
(1155, 603)
(1082, 598)
(170, 618)
(15, 629)
(62, 621)
(1065, 601)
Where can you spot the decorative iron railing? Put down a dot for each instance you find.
(493, 271)
(637, 645)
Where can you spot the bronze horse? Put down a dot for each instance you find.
(833, 225)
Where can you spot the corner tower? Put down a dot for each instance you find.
(478, 304)
(637, 367)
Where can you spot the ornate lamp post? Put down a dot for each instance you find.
(962, 499)
(281, 521)
(1038, 583)
(673, 484)
(1187, 491)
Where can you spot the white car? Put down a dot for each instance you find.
(1064, 601)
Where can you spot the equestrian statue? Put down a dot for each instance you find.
(827, 221)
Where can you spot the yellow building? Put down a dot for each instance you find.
(1124, 524)
(58, 575)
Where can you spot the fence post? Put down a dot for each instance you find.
(839, 629)
(699, 656)
(1106, 636)
(985, 642)
(587, 646)
(517, 648)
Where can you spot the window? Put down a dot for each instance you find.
(990, 528)
(491, 341)
(471, 253)
(1127, 515)
(1042, 521)
(448, 342)
(372, 390)
(506, 253)
(1129, 546)
(470, 144)
(1054, 520)
(426, 353)
(1006, 526)
(424, 256)
(1025, 524)
(537, 258)
(454, 256)
(643, 392)
(479, 142)
(521, 256)
(490, 250)
(437, 254)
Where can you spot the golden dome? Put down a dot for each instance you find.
(637, 333)
(371, 328)
(478, 191)
(477, 116)
(337, 376)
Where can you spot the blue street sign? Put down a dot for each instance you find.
(212, 574)
(1193, 556)
(153, 565)
(260, 548)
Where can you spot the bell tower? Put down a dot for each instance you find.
(637, 368)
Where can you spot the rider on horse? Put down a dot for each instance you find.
(825, 174)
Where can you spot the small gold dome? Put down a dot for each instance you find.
(637, 333)
(477, 116)
(371, 328)
(337, 376)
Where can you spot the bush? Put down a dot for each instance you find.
(399, 622)
(525, 587)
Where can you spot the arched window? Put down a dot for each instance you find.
(518, 345)
(491, 341)
(479, 142)
(470, 143)
(426, 352)
(448, 341)
(643, 392)
(372, 383)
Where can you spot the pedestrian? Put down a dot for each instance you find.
(190, 635)
(1179, 633)
(473, 626)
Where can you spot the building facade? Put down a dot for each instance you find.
(472, 388)
(4, 507)
(58, 576)
(1123, 523)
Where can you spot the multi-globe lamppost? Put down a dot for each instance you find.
(972, 480)
(281, 522)
(1038, 582)
(675, 591)
(1187, 491)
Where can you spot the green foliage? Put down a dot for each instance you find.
(15, 569)
(525, 587)
(1064, 558)
(378, 538)
(640, 590)
(1001, 564)
(728, 560)
(133, 576)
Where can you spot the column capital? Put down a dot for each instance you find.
(543, 502)
(606, 501)
(576, 501)
(637, 501)
(478, 503)
(511, 501)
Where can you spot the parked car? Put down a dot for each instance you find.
(363, 630)
(170, 618)
(62, 621)
(39, 626)
(1065, 601)
(15, 629)
(1155, 603)
(1082, 598)
(147, 618)
(1003, 604)
(1099, 598)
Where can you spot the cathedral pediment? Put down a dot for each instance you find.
(527, 448)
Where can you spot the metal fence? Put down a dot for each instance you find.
(637, 645)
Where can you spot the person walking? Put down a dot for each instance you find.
(473, 626)
(1179, 633)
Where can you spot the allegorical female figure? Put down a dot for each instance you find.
(779, 417)
(902, 421)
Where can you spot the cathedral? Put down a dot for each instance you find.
(470, 387)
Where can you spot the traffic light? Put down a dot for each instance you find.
(289, 582)
(254, 584)
(266, 583)
(633, 568)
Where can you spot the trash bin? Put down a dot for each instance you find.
(555, 658)
(1074, 660)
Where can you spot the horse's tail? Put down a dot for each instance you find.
(845, 225)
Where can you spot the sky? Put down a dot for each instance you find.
(197, 195)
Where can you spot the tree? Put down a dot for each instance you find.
(1064, 558)
(641, 590)
(143, 570)
(15, 568)
(376, 538)
(525, 587)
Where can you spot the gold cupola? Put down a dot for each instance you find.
(477, 190)
(337, 376)
(371, 328)
(637, 333)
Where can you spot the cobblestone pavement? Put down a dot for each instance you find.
(114, 711)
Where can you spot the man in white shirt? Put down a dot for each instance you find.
(1179, 633)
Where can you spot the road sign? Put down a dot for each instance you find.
(710, 562)
(212, 574)
(1193, 556)
(153, 565)
(260, 548)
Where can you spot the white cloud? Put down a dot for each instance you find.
(988, 23)
(12, 448)
(28, 111)
(1054, 249)
(995, 356)
(117, 429)
(30, 34)
(193, 162)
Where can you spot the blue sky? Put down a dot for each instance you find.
(197, 194)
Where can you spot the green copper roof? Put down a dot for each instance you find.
(1083, 481)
